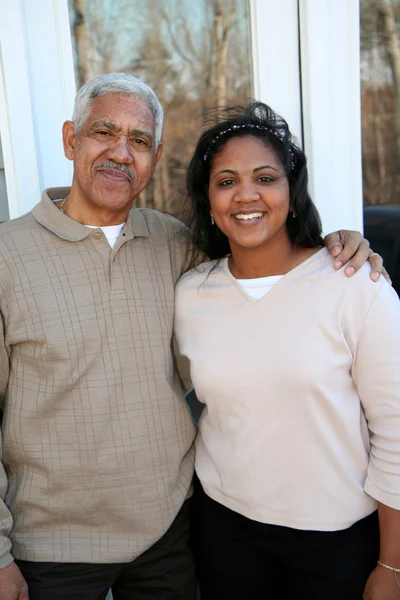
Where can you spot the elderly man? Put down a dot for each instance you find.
(97, 440)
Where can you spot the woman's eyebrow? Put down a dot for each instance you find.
(225, 171)
(265, 167)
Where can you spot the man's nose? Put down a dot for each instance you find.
(120, 151)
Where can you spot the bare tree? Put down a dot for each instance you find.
(80, 39)
(194, 56)
(380, 120)
(392, 48)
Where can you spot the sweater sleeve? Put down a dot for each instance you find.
(5, 515)
(376, 373)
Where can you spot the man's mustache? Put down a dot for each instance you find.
(113, 165)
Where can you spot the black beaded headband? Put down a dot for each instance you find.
(247, 126)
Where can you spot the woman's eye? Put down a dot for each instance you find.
(226, 182)
(265, 179)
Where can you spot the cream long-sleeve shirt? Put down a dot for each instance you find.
(302, 391)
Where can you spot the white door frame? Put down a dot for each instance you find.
(306, 58)
(330, 75)
(37, 89)
(305, 65)
(276, 61)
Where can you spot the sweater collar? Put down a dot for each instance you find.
(48, 215)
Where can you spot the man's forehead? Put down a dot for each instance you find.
(120, 111)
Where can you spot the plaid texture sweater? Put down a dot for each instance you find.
(97, 454)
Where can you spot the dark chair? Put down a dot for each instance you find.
(382, 229)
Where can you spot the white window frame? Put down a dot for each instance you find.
(306, 57)
(37, 89)
(275, 34)
(305, 65)
(330, 74)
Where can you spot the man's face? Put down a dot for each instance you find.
(114, 154)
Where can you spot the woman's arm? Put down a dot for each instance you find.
(383, 583)
(376, 374)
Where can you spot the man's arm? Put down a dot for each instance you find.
(352, 248)
(12, 583)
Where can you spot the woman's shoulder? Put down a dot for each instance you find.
(199, 274)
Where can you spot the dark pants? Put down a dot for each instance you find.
(239, 559)
(164, 572)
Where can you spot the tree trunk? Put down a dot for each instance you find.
(380, 148)
(79, 30)
(222, 26)
(392, 47)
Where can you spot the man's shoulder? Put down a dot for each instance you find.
(18, 226)
(170, 224)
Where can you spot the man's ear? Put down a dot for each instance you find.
(69, 137)
(159, 152)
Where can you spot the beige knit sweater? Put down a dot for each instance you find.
(302, 391)
(97, 439)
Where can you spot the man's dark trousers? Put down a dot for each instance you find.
(164, 572)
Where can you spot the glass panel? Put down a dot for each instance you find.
(194, 55)
(380, 102)
(4, 213)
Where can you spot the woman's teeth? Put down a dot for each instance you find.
(246, 217)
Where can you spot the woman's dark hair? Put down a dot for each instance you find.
(259, 120)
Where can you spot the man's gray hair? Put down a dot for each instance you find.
(117, 83)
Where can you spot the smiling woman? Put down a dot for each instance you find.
(249, 201)
(298, 369)
(247, 160)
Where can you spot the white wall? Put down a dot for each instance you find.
(305, 64)
(37, 90)
(4, 214)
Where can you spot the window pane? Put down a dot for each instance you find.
(195, 55)
(380, 69)
(4, 214)
(380, 102)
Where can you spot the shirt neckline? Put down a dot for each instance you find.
(47, 214)
(106, 227)
(259, 281)
(283, 278)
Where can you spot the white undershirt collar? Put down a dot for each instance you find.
(110, 231)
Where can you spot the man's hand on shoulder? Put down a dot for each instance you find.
(352, 248)
(12, 584)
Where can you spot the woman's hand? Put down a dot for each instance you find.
(381, 585)
(345, 246)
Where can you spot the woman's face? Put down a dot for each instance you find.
(249, 194)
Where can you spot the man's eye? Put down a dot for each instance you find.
(140, 142)
(103, 132)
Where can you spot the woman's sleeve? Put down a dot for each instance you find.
(376, 373)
